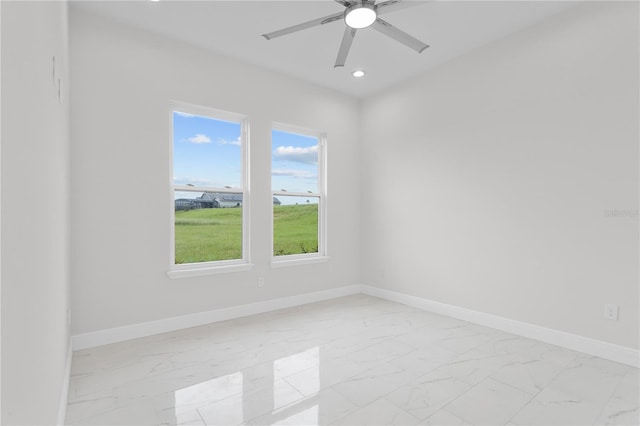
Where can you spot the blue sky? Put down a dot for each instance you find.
(294, 165)
(206, 152)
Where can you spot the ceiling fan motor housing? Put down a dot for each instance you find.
(360, 14)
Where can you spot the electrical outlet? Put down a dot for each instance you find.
(611, 312)
(261, 282)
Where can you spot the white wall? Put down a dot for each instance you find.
(486, 180)
(35, 199)
(123, 81)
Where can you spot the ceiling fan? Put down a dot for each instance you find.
(358, 14)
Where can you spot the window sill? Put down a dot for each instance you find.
(210, 270)
(287, 261)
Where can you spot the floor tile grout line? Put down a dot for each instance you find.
(460, 396)
(604, 406)
(563, 368)
(530, 401)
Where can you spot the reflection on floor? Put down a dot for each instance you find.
(351, 361)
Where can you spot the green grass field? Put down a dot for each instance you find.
(205, 235)
(295, 229)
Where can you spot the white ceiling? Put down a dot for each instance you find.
(234, 28)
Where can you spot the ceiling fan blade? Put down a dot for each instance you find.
(345, 3)
(313, 23)
(393, 5)
(400, 36)
(345, 46)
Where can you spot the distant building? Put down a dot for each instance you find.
(217, 200)
(214, 200)
(187, 204)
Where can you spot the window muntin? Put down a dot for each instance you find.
(210, 203)
(297, 184)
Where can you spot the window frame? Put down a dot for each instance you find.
(214, 266)
(322, 254)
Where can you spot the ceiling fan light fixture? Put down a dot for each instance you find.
(358, 73)
(360, 15)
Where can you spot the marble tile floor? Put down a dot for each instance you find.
(356, 360)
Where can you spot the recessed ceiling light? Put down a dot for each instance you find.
(358, 73)
(360, 15)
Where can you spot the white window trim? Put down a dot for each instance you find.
(197, 271)
(220, 266)
(288, 260)
(322, 254)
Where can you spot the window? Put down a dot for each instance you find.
(297, 184)
(209, 185)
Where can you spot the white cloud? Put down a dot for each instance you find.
(199, 138)
(297, 154)
(226, 142)
(299, 174)
(184, 114)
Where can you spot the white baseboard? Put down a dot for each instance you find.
(575, 342)
(610, 351)
(64, 395)
(120, 334)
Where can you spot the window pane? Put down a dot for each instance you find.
(206, 151)
(208, 226)
(294, 165)
(295, 225)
